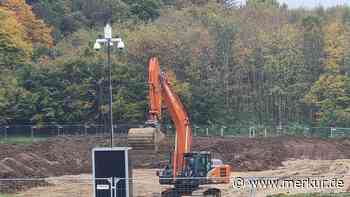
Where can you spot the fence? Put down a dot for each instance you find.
(82, 186)
(28, 133)
(267, 131)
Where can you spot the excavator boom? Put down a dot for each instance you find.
(183, 136)
(160, 90)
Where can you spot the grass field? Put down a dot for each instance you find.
(21, 140)
(5, 195)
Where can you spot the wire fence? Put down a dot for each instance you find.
(86, 186)
(26, 133)
(30, 133)
(269, 131)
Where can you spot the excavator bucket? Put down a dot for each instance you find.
(148, 138)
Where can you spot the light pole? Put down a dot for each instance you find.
(108, 41)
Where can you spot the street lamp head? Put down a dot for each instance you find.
(120, 45)
(97, 46)
(108, 31)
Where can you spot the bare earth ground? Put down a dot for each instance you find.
(298, 170)
(71, 155)
(146, 182)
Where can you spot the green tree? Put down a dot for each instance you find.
(145, 9)
(335, 43)
(273, 3)
(331, 94)
(313, 46)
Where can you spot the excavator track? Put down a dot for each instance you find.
(201, 191)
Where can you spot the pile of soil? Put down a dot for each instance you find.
(256, 154)
(70, 155)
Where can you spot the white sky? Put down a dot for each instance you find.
(311, 3)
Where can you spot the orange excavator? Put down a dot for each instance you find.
(187, 170)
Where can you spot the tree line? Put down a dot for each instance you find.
(260, 63)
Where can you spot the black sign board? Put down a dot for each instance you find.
(111, 172)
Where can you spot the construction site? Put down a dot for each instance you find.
(174, 98)
(154, 162)
(67, 161)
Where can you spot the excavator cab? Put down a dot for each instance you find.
(195, 164)
(198, 169)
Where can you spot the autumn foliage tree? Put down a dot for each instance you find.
(232, 64)
(14, 47)
(35, 29)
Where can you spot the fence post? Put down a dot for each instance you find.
(306, 131)
(58, 129)
(265, 132)
(32, 132)
(115, 129)
(86, 127)
(6, 128)
(251, 132)
(279, 130)
(222, 131)
(332, 131)
(207, 131)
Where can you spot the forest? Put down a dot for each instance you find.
(260, 63)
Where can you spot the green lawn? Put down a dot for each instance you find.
(21, 140)
(312, 195)
(5, 195)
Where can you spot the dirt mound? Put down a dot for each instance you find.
(268, 153)
(69, 155)
(72, 154)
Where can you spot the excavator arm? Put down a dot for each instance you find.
(183, 136)
(160, 88)
(155, 92)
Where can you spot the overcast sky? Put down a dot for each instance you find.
(312, 3)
